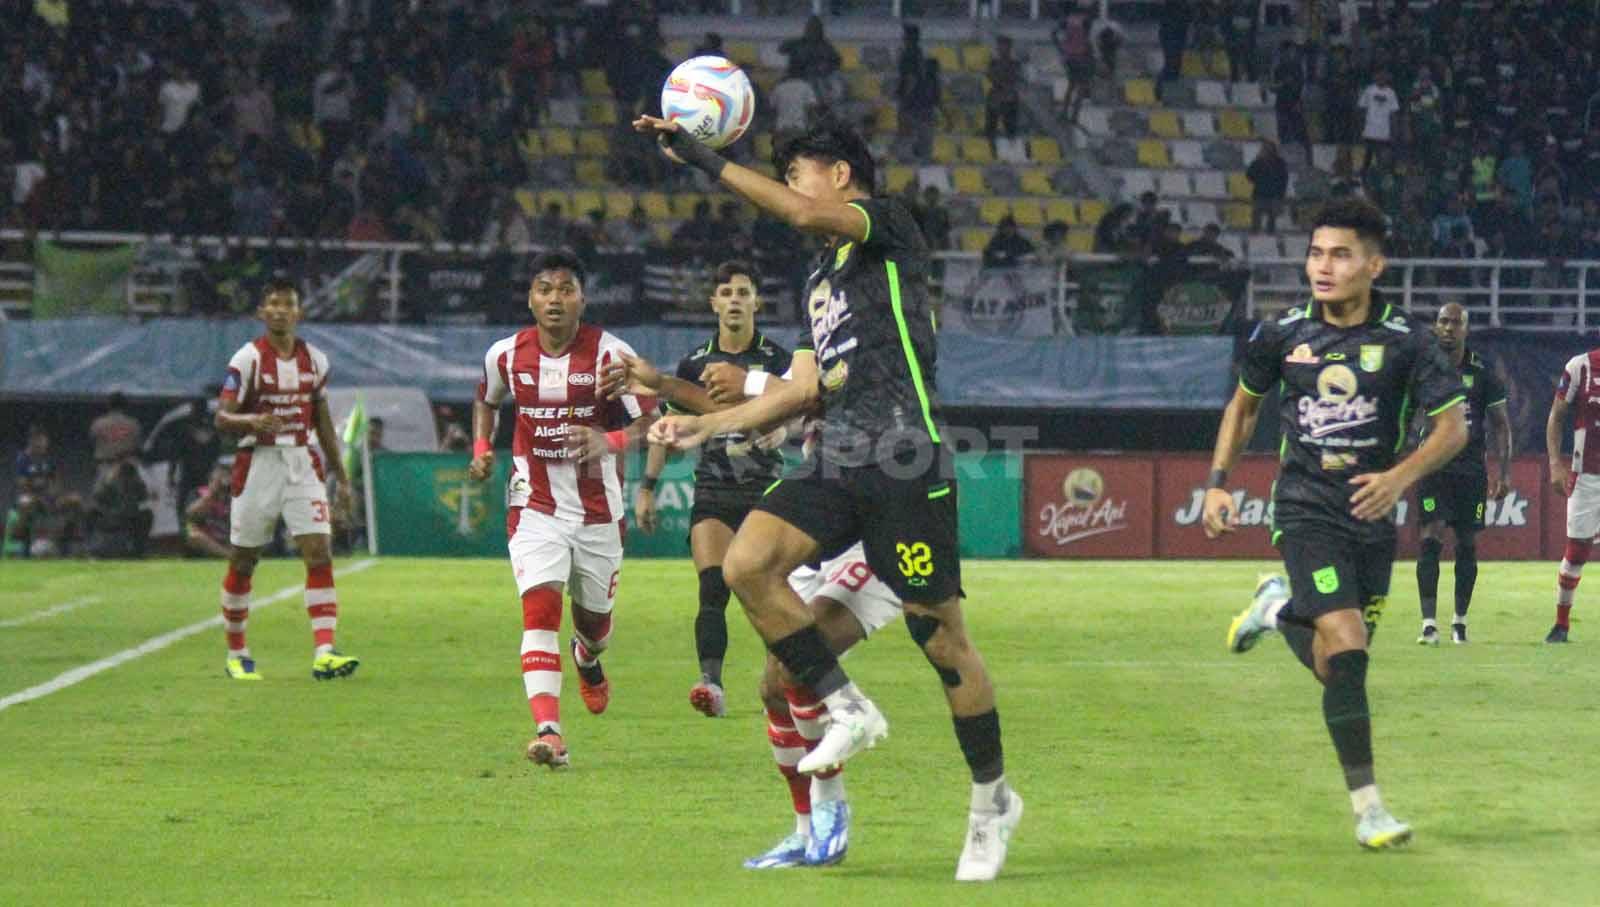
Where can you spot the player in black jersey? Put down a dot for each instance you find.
(1349, 370)
(875, 473)
(732, 473)
(1455, 496)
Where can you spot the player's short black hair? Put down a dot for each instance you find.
(559, 260)
(732, 268)
(1355, 214)
(278, 285)
(830, 141)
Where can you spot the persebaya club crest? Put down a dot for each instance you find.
(1371, 357)
(463, 503)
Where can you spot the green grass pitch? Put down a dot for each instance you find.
(1157, 769)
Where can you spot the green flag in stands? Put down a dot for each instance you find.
(68, 282)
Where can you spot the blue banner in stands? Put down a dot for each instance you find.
(169, 358)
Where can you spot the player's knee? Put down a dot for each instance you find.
(744, 569)
(1432, 547)
(713, 589)
(1577, 551)
(937, 646)
(243, 561)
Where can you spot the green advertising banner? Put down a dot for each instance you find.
(427, 506)
(71, 281)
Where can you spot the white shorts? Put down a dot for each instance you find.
(269, 482)
(587, 558)
(849, 581)
(1583, 507)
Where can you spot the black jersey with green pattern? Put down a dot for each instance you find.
(733, 458)
(873, 331)
(1484, 390)
(1347, 394)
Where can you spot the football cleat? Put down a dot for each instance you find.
(592, 683)
(1377, 830)
(1458, 634)
(243, 668)
(332, 663)
(853, 726)
(988, 837)
(830, 833)
(548, 749)
(1252, 622)
(1557, 633)
(1429, 637)
(708, 699)
(791, 851)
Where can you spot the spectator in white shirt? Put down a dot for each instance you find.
(1380, 102)
(792, 100)
(179, 93)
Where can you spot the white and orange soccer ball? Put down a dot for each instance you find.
(711, 98)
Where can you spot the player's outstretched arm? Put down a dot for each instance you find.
(774, 406)
(230, 421)
(1238, 424)
(1505, 445)
(482, 464)
(633, 374)
(1378, 492)
(767, 194)
(1554, 425)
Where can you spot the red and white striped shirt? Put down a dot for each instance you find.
(1580, 387)
(553, 393)
(263, 382)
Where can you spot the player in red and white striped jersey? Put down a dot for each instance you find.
(564, 517)
(275, 395)
(1577, 396)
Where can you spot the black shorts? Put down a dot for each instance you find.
(728, 504)
(1330, 573)
(906, 523)
(1457, 499)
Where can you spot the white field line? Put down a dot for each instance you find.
(154, 644)
(49, 612)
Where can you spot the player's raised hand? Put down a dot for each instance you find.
(481, 466)
(268, 423)
(1217, 516)
(1376, 495)
(724, 381)
(662, 129)
(1560, 478)
(1499, 487)
(679, 432)
(772, 440)
(584, 444)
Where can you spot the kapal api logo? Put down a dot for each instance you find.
(1337, 406)
(1085, 510)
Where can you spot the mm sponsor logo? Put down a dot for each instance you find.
(1084, 511)
(582, 379)
(1252, 511)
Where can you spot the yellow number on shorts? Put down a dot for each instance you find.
(915, 559)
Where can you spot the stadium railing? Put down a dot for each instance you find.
(1525, 294)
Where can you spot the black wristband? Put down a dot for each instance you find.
(692, 152)
(648, 483)
(1217, 479)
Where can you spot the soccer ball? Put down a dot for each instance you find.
(711, 98)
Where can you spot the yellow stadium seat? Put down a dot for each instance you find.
(593, 143)
(889, 118)
(1239, 186)
(745, 53)
(663, 232)
(600, 113)
(991, 210)
(967, 180)
(1028, 212)
(975, 148)
(655, 205)
(1235, 124)
(1236, 215)
(594, 84)
(619, 204)
(1141, 92)
(1164, 124)
(1080, 240)
(850, 56)
(865, 86)
(527, 201)
(1194, 65)
(949, 59)
(1061, 209)
(678, 49)
(1036, 181)
(1044, 151)
(1219, 63)
(974, 239)
(531, 145)
(586, 200)
(1153, 154)
(944, 149)
(683, 204)
(591, 171)
(560, 142)
(975, 57)
(548, 197)
(1090, 210)
(897, 176)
